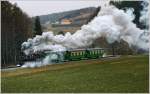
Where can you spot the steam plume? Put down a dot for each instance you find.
(111, 23)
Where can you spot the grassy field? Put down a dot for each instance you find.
(123, 74)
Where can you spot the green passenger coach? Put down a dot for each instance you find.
(79, 54)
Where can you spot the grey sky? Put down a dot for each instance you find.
(34, 8)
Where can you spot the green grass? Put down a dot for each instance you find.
(124, 74)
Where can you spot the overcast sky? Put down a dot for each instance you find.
(34, 8)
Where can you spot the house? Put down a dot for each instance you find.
(66, 21)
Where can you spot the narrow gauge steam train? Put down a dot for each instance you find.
(69, 55)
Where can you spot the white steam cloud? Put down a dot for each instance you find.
(111, 23)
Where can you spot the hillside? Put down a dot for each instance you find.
(68, 14)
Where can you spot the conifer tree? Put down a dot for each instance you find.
(38, 30)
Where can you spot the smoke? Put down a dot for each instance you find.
(51, 58)
(111, 23)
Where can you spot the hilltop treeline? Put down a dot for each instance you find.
(16, 27)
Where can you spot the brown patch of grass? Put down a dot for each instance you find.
(70, 64)
(24, 71)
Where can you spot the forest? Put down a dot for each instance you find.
(16, 27)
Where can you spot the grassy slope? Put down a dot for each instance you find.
(125, 74)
